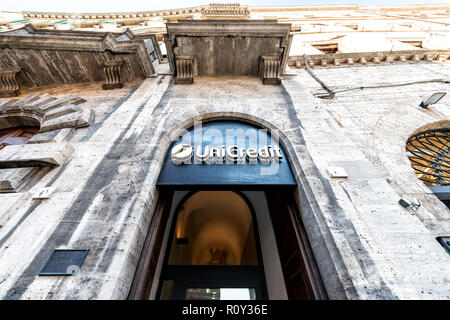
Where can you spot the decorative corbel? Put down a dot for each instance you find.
(112, 72)
(129, 34)
(269, 69)
(110, 42)
(186, 69)
(8, 83)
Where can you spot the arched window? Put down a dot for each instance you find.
(16, 135)
(428, 150)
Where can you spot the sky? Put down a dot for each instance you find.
(148, 5)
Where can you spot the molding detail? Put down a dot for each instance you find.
(270, 69)
(57, 118)
(111, 15)
(367, 58)
(219, 46)
(225, 11)
(47, 112)
(8, 83)
(112, 73)
(14, 179)
(186, 68)
(88, 50)
(34, 155)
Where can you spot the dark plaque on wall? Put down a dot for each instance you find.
(64, 262)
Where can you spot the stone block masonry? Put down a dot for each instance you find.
(367, 246)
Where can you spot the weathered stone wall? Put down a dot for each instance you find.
(365, 131)
(379, 121)
(61, 67)
(246, 53)
(367, 246)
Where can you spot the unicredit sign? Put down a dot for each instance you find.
(225, 153)
(183, 153)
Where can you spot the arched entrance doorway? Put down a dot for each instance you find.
(213, 253)
(203, 241)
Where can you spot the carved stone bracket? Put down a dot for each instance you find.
(8, 83)
(186, 68)
(112, 73)
(269, 69)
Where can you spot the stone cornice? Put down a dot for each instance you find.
(225, 28)
(32, 38)
(369, 58)
(199, 9)
(348, 7)
(111, 15)
(32, 30)
(228, 10)
(263, 28)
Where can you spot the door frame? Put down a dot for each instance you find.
(283, 203)
(146, 269)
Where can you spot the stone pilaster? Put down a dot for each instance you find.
(112, 73)
(8, 83)
(270, 69)
(185, 69)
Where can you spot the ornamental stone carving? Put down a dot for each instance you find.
(112, 74)
(227, 48)
(80, 57)
(371, 58)
(186, 68)
(8, 83)
(270, 69)
(225, 11)
(57, 119)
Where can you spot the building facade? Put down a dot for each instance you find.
(226, 151)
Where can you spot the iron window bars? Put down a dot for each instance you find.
(429, 153)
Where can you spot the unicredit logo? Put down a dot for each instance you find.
(182, 153)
